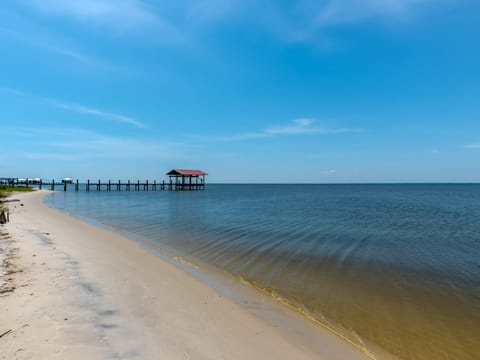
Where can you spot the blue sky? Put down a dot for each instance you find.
(270, 91)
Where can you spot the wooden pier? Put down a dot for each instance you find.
(121, 186)
(179, 180)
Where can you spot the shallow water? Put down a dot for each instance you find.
(394, 266)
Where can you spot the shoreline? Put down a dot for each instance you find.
(97, 294)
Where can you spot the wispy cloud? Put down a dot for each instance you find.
(13, 91)
(77, 108)
(78, 56)
(338, 12)
(306, 21)
(210, 10)
(52, 156)
(300, 20)
(116, 16)
(118, 13)
(98, 113)
(49, 44)
(78, 144)
(189, 23)
(472, 146)
(301, 126)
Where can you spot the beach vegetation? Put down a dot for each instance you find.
(7, 190)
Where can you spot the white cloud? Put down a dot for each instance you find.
(473, 146)
(300, 126)
(233, 137)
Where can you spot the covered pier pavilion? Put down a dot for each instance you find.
(184, 179)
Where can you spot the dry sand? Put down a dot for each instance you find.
(72, 291)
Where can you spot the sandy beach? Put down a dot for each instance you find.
(70, 290)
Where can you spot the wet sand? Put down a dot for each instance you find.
(69, 289)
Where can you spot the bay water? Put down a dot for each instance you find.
(386, 266)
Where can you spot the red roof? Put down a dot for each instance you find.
(186, 172)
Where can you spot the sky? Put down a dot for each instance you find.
(325, 91)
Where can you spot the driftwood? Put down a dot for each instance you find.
(5, 333)
(4, 218)
(7, 290)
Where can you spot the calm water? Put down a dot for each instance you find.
(393, 266)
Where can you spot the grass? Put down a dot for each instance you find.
(6, 190)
